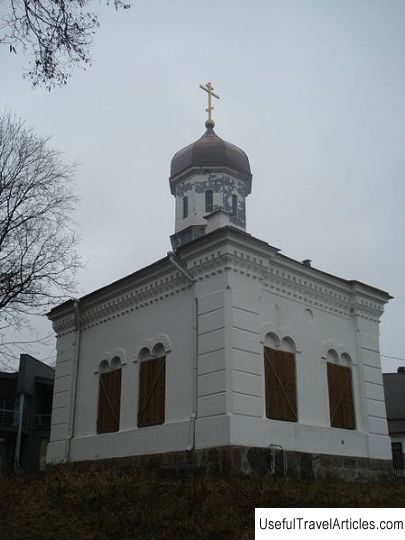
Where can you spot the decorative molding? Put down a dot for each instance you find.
(219, 260)
(145, 344)
(307, 290)
(269, 328)
(121, 353)
(65, 325)
(295, 283)
(150, 344)
(281, 333)
(366, 309)
(275, 273)
(106, 310)
(275, 278)
(327, 346)
(340, 350)
(288, 332)
(108, 357)
(164, 340)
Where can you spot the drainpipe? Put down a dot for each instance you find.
(17, 464)
(186, 274)
(76, 356)
(195, 333)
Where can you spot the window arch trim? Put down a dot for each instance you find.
(108, 358)
(281, 333)
(342, 351)
(151, 344)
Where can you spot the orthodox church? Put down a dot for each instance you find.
(225, 354)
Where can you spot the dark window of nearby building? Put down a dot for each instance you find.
(234, 205)
(209, 201)
(341, 405)
(280, 385)
(109, 401)
(152, 389)
(185, 207)
(397, 456)
(42, 454)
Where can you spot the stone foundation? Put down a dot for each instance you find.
(229, 460)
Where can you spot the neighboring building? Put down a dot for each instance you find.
(225, 344)
(25, 415)
(394, 389)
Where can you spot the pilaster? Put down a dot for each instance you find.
(62, 400)
(365, 318)
(214, 400)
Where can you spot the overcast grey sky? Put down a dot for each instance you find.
(312, 90)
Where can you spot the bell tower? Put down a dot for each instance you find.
(208, 176)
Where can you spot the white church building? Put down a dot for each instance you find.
(225, 353)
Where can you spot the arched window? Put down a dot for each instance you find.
(185, 207)
(109, 396)
(340, 388)
(209, 201)
(152, 387)
(280, 381)
(234, 205)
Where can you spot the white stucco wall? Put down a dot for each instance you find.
(125, 337)
(167, 319)
(316, 315)
(309, 331)
(245, 294)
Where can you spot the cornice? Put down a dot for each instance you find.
(101, 311)
(220, 261)
(65, 325)
(366, 309)
(308, 289)
(226, 251)
(298, 283)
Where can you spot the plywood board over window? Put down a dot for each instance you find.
(152, 389)
(280, 385)
(109, 401)
(341, 405)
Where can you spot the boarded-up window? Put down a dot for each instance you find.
(152, 385)
(109, 401)
(341, 404)
(281, 388)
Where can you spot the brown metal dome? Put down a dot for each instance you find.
(210, 151)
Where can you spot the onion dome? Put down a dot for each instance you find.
(210, 152)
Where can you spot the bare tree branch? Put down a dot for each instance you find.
(38, 259)
(59, 34)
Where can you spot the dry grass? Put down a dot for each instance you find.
(102, 503)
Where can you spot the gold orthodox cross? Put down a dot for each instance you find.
(210, 91)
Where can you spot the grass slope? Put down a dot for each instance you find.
(88, 503)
